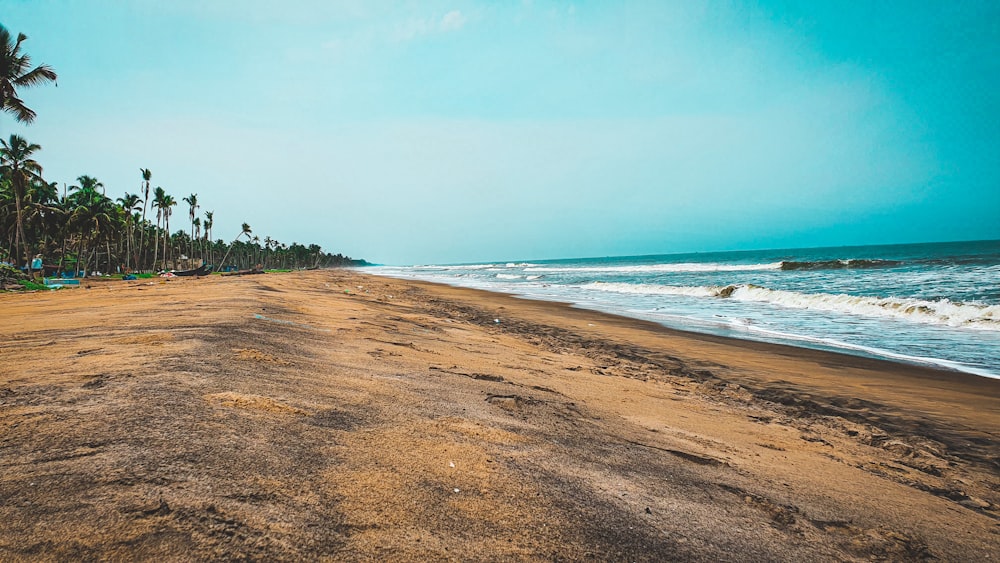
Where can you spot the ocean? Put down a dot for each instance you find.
(931, 304)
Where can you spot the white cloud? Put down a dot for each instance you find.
(410, 29)
(452, 21)
(419, 27)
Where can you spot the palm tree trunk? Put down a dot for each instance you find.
(128, 243)
(20, 232)
(62, 255)
(142, 235)
(166, 236)
(79, 260)
(156, 244)
(136, 250)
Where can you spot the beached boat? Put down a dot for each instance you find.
(202, 270)
(61, 282)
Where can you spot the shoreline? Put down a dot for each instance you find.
(803, 352)
(854, 371)
(790, 341)
(335, 414)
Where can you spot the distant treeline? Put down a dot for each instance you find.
(80, 229)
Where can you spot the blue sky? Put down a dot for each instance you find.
(435, 132)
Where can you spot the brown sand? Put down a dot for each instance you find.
(280, 417)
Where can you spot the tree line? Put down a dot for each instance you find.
(80, 229)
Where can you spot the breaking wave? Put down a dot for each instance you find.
(786, 265)
(497, 267)
(937, 312)
(851, 264)
(654, 268)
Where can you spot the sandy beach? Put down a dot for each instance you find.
(335, 415)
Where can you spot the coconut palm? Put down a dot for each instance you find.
(92, 216)
(244, 230)
(42, 213)
(208, 232)
(39, 200)
(129, 204)
(17, 164)
(166, 203)
(158, 195)
(16, 72)
(146, 177)
(192, 201)
(49, 213)
(98, 218)
(87, 183)
(197, 237)
(267, 247)
(8, 216)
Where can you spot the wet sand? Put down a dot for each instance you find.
(334, 415)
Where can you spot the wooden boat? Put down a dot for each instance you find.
(202, 270)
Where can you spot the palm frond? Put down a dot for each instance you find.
(38, 75)
(14, 105)
(17, 45)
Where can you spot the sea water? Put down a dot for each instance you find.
(932, 304)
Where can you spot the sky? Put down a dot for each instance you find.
(447, 132)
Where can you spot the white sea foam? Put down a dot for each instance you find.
(939, 312)
(648, 289)
(509, 276)
(463, 267)
(492, 267)
(869, 350)
(654, 268)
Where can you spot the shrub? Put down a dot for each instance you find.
(28, 284)
(9, 273)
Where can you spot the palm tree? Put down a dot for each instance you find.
(88, 183)
(245, 230)
(129, 204)
(146, 177)
(192, 201)
(92, 215)
(197, 237)
(103, 217)
(166, 204)
(256, 250)
(314, 252)
(208, 232)
(53, 214)
(158, 196)
(8, 217)
(267, 246)
(18, 166)
(43, 214)
(15, 73)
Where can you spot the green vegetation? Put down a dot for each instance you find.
(33, 285)
(9, 274)
(83, 230)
